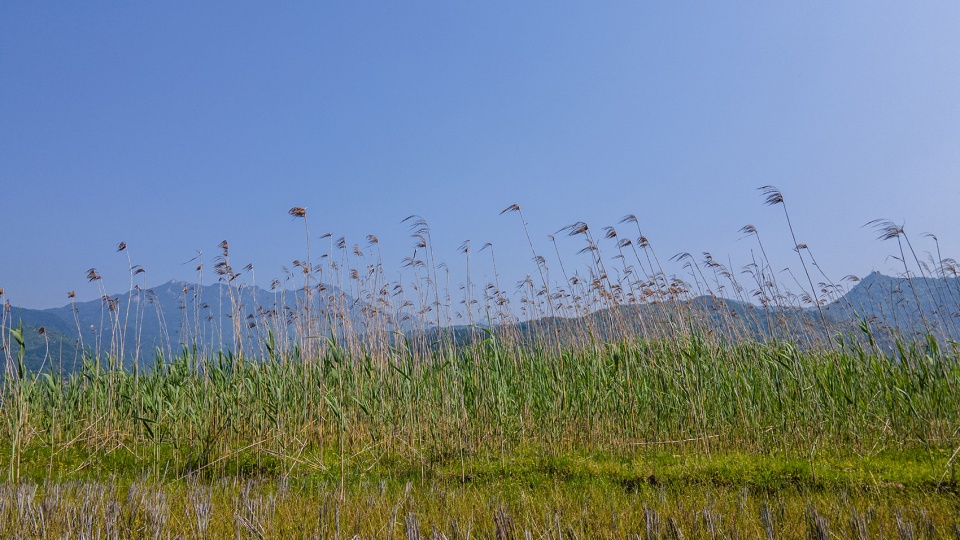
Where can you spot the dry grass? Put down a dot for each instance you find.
(252, 509)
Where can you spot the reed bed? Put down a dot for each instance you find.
(192, 414)
(618, 401)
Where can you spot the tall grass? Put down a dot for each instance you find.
(197, 414)
(367, 376)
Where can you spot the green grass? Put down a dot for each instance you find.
(569, 497)
(681, 428)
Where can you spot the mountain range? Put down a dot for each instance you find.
(142, 324)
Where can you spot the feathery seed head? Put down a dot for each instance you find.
(772, 194)
(577, 228)
(888, 230)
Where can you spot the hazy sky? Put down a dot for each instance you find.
(174, 125)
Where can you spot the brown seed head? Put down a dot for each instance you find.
(888, 230)
(772, 194)
(298, 211)
(575, 229)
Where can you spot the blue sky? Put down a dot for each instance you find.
(172, 126)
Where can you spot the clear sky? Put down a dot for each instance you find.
(174, 125)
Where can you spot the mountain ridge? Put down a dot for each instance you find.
(178, 312)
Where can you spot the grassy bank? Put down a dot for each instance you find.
(285, 507)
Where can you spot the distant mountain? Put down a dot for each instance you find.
(708, 315)
(142, 324)
(910, 306)
(138, 325)
(891, 308)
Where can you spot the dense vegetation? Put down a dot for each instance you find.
(662, 429)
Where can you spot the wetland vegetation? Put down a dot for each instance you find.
(611, 402)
